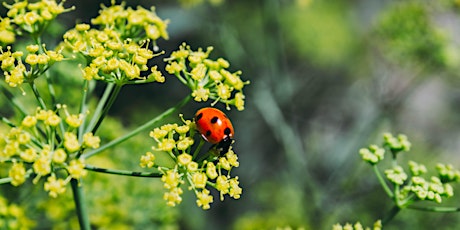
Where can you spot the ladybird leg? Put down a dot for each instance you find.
(224, 145)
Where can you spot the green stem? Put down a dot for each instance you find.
(105, 111)
(122, 172)
(83, 106)
(80, 205)
(382, 181)
(5, 180)
(100, 106)
(395, 210)
(12, 100)
(37, 95)
(197, 150)
(141, 128)
(434, 209)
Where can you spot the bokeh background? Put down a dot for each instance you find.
(327, 78)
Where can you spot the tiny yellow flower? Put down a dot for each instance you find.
(171, 179)
(23, 138)
(158, 133)
(54, 186)
(29, 121)
(53, 120)
(232, 158)
(32, 48)
(82, 27)
(167, 145)
(201, 94)
(91, 141)
(59, 156)
(29, 155)
(211, 170)
(235, 190)
(173, 196)
(224, 91)
(215, 76)
(199, 72)
(184, 159)
(147, 160)
(74, 120)
(71, 142)
(76, 169)
(184, 143)
(204, 199)
(192, 166)
(223, 163)
(17, 174)
(199, 179)
(42, 166)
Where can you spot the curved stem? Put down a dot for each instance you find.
(122, 172)
(382, 181)
(141, 128)
(80, 205)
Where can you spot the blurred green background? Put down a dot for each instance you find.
(327, 78)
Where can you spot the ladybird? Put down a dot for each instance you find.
(215, 127)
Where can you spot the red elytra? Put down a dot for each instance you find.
(213, 125)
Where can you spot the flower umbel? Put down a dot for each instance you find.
(198, 169)
(207, 78)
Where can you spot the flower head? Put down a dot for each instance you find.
(207, 78)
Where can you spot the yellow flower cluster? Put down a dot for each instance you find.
(112, 52)
(200, 171)
(13, 216)
(357, 226)
(208, 79)
(34, 17)
(44, 143)
(7, 35)
(38, 60)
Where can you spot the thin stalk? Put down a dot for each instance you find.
(382, 181)
(122, 172)
(434, 209)
(11, 99)
(83, 107)
(80, 205)
(105, 111)
(391, 214)
(100, 107)
(5, 180)
(141, 128)
(197, 150)
(37, 95)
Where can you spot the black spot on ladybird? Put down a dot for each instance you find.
(208, 133)
(214, 120)
(199, 116)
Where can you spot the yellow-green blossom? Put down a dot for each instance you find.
(173, 197)
(17, 174)
(91, 141)
(147, 160)
(207, 79)
(54, 186)
(204, 199)
(76, 169)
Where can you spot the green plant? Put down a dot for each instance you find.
(51, 137)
